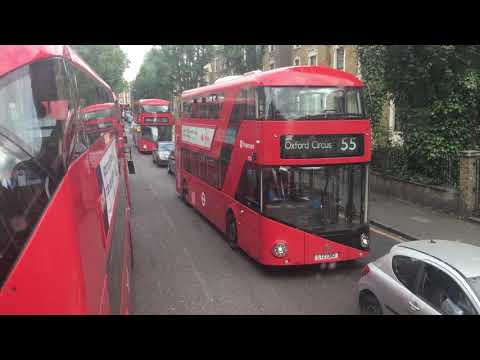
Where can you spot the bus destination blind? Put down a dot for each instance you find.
(320, 146)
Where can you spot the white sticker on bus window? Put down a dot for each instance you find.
(200, 136)
(110, 175)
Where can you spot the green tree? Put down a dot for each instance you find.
(171, 68)
(109, 61)
(436, 90)
(240, 59)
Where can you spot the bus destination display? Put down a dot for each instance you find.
(320, 146)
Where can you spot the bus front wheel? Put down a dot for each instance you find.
(231, 230)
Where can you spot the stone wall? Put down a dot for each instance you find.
(437, 197)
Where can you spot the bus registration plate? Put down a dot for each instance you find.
(329, 256)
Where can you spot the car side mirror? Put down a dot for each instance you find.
(131, 167)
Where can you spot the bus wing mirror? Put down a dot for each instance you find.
(131, 167)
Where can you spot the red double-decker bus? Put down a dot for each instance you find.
(278, 161)
(153, 124)
(65, 240)
(101, 118)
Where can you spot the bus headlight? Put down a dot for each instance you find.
(144, 146)
(364, 241)
(280, 250)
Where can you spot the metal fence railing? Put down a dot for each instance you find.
(393, 160)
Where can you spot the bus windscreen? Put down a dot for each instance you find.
(315, 199)
(310, 103)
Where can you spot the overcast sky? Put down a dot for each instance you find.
(135, 54)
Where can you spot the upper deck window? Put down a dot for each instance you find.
(154, 108)
(206, 107)
(310, 103)
(92, 115)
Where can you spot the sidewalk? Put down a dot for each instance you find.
(415, 222)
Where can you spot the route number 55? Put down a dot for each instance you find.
(348, 145)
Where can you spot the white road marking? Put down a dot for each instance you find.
(396, 238)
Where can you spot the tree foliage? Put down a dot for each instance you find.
(436, 90)
(239, 59)
(169, 69)
(109, 61)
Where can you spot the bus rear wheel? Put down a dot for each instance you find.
(231, 231)
(185, 193)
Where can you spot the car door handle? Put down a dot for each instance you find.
(413, 306)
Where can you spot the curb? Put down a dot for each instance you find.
(394, 230)
(474, 219)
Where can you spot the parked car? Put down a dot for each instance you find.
(425, 277)
(161, 154)
(171, 163)
(128, 116)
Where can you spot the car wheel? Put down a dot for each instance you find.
(369, 304)
(231, 231)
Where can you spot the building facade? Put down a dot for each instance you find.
(342, 57)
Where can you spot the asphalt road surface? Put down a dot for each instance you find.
(183, 265)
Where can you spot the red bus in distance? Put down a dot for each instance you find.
(153, 124)
(65, 239)
(101, 118)
(278, 161)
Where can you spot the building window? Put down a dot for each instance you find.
(312, 60)
(340, 58)
(296, 62)
(359, 69)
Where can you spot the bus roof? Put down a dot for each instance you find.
(152, 102)
(286, 76)
(15, 56)
(97, 107)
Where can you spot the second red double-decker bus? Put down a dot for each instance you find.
(153, 124)
(65, 239)
(101, 118)
(278, 161)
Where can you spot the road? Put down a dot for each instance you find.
(184, 266)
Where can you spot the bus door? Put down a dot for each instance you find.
(248, 217)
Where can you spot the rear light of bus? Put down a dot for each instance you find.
(365, 270)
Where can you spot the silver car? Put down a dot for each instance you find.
(425, 277)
